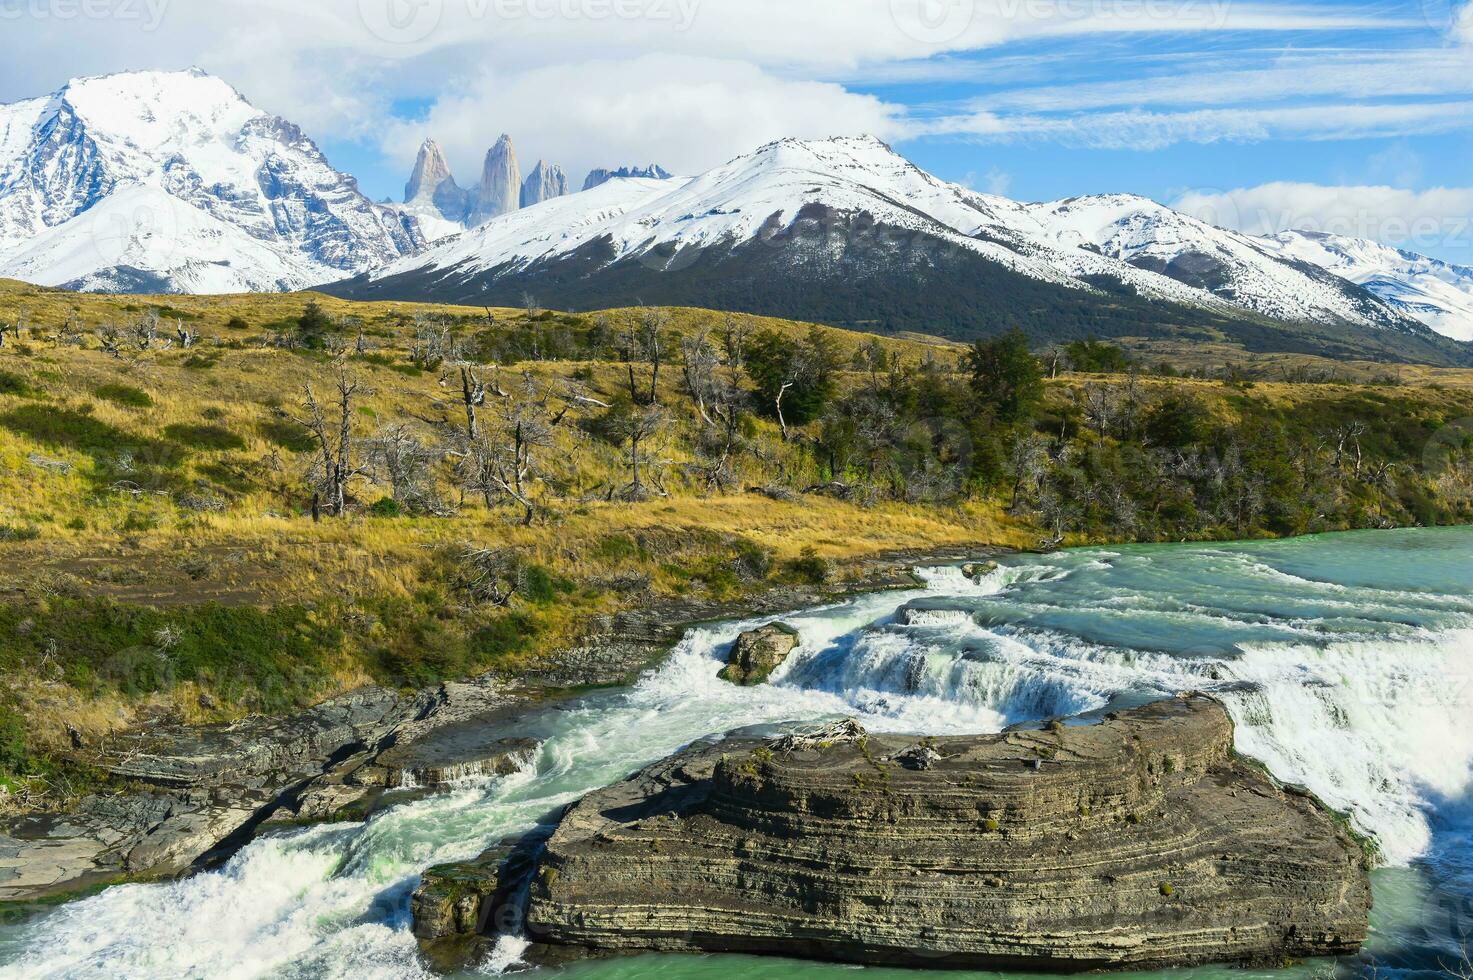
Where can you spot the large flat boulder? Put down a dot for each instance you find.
(1140, 841)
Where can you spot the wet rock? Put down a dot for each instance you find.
(974, 570)
(757, 653)
(453, 754)
(1136, 842)
(458, 909)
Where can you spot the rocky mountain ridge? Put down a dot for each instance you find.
(173, 182)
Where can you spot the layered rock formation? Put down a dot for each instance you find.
(545, 182)
(757, 653)
(203, 791)
(1139, 841)
(501, 184)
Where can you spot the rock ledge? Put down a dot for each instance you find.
(1139, 841)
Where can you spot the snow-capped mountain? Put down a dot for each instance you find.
(1241, 269)
(173, 182)
(1437, 293)
(847, 231)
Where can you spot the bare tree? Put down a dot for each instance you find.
(632, 426)
(336, 464)
(110, 338)
(502, 459)
(186, 336)
(644, 344)
(1028, 462)
(434, 343)
(473, 395)
(492, 575)
(699, 362)
(400, 460)
(144, 331)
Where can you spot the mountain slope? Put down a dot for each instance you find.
(845, 231)
(172, 180)
(1437, 293)
(1235, 267)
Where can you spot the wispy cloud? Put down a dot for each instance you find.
(1149, 130)
(1436, 220)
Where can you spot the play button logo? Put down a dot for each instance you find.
(933, 21)
(401, 21)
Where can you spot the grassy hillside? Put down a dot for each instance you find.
(163, 560)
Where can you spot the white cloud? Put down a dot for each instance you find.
(1284, 76)
(335, 64)
(1438, 220)
(1463, 23)
(684, 113)
(1148, 130)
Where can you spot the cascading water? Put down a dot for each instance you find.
(1345, 661)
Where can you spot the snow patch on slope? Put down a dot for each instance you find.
(1437, 293)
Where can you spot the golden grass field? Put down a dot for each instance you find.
(215, 422)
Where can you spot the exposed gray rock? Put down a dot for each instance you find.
(1139, 841)
(757, 653)
(455, 753)
(433, 185)
(602, 175)
(501, 184)
(215, 784)
(545, 182)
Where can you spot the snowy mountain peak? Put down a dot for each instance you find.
(1439, 294)
(220, 195)
(1150, 236)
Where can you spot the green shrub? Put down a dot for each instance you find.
(125, 395)
(14, 532)
(1166, 889)
(500, 641)
(386, 507)
(236, 323)
(618, 547)
(540, 585)
(288, 435)
(211, 437)
(809, 568)
(14, 384)
(14, 754)
(991, 825)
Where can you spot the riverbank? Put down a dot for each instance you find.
(174, 798)
(1340, 659)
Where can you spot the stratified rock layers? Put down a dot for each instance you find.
(1139, 841)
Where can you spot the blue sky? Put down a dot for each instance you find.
(1354, 117)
